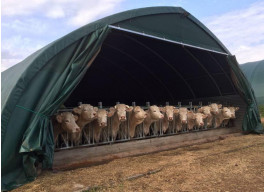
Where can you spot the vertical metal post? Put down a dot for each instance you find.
(79, 103)
(200, 103)
(100, 105)
(133, 103)
(148, 104)
(179, 104)
(117, 102)
(167, 103)
(190, 105)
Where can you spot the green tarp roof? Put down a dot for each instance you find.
(254, 71)
(34, 89)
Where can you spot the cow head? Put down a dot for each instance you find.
(233, 111)
(169, 112)
(86, 112)
(183, 115)
(102, 117)
(68, 122)
(215, 108)
(226, 113)
(199, 119)
(139, 113)
(121, 111)
(155, 112)
(206, 110)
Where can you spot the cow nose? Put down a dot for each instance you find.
(170, 118)
(201, 124)
(77, 129)
(102, 124)
(123, 117)
(162, 116)
(94, 114)
(184, 121)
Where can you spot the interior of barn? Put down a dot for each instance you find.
(139, 68)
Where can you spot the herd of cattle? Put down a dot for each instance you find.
(86, 121)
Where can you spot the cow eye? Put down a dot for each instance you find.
(154, 111)
(67, 121)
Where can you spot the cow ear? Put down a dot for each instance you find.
(176, 111)
(77, 110)
(115, 106)
(190, 111)
(129, 109)
(111, 111)
(76, 117)
(237, 108)
(59, 118)
(162, 109)
(200, 110)
(204, 116)
(95, 109)
(220, 106)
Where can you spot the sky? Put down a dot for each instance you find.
(28, 25)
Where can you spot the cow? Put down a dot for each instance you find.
(86, 114)
(211, 111)
(181, 118)
(168, 112)
(233, 114)
(118, 113)
(195, 120)
(153, 115)
(65, 122)
(99, 123)
(223, 114)
(136, 117)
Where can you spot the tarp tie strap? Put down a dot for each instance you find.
(27, 109)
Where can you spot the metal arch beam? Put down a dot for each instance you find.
(159, 56)
(132, 77)
(218, 63)
(206, 71)
(143, 66)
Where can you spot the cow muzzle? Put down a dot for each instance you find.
(170, 118)
(184, 122)
(103, 124)
(123, 118)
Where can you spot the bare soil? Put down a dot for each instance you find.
(231, 164)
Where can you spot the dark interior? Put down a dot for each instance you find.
(132, 67)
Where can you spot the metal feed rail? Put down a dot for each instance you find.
(123, 133)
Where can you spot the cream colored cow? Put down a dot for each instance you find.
(195, 120)
(99, 123)
(86, 113)
(119, 116)
(153, 115)
(168, 112)
(223, 114)
(65, 123)
(136, 117)
(181, 118)
(233, 114)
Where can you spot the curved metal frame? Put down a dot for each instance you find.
(159, 56)
(210, 76)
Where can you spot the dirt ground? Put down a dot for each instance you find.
(231, 164)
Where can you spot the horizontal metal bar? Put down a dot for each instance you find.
(163, 39)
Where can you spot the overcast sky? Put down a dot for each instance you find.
(28, 25)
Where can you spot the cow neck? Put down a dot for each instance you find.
(82, 123)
